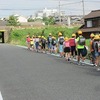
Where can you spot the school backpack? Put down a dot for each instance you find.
(61, 40)
(81, 40)
(72, 42)
(53, 42)
(43, 41)
(31, 41)
(49, 39)
(96, 46)
(67, 44)
(28, 39)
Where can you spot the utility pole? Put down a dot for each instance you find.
(83, 8)
(59, 13)
(83, 11)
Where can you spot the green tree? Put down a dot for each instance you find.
(49, 20)
(12, 21)
(30, 20)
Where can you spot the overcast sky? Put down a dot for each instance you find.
(29, 7)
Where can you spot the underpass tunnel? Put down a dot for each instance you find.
(2, 38)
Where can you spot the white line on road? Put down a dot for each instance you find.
(1, 98)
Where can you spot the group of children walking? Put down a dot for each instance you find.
(70, 48)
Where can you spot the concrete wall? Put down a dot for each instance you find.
(6, 33)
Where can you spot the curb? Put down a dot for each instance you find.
(57, 55)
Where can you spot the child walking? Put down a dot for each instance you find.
(67, 49)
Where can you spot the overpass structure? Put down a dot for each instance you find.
(2, 37)
(4, 34)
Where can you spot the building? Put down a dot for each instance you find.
(46, 13)
(49, 12)
(91, 23)
(39, 15)
(21, 19)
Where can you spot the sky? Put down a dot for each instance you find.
(29, 7)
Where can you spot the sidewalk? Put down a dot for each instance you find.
(87, 62)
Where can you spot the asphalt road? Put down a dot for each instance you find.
(26, 75)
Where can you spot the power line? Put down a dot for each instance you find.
(71, 3)
(16, 9)
(92, 1)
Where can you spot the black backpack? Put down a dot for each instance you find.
(53, 42)
(61, 40)
(43, 41)
(96, 45)
(81, 40)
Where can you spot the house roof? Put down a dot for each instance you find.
(91, 29)
(93, 14)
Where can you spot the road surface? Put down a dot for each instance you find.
(26, 75)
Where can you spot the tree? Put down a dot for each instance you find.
(12, 21)
(49, 20)
(30, 20)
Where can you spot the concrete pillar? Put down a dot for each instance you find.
(68, 21)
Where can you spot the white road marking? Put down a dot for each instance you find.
(1, 98)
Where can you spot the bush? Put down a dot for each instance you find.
(18, 36)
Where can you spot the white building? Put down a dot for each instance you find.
(49, 12)
(21, 19)
(39, 15)
(46, 13)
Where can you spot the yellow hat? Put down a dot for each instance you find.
(27, 36)
(79, 32)
(31, 39)
(96, 37)
(92, 35)
(42, 36)
(73, 34)
(33, 36)
(66, 39)
(50, 34)
(54, 37)
(59, 34)
(39, 36)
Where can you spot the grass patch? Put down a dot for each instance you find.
(18, 36)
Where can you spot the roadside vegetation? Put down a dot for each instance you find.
(18, 36)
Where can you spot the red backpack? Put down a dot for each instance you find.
(72, 42)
